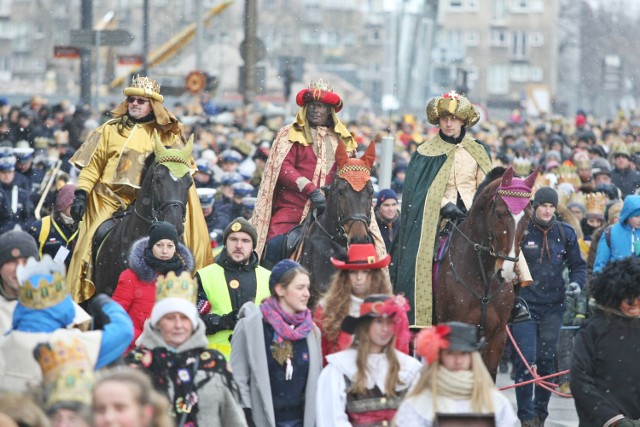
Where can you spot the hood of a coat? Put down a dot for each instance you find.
(142, 270)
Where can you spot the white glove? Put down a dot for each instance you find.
(573, 290)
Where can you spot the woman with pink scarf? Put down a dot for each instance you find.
(275, 353)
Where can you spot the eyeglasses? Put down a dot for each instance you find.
(141, 101)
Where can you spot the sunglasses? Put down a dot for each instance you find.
(141, 101)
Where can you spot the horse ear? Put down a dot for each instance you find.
(158, 147)
(341, 154)
(531, 179)
(369, 156)
(507, 177)
(188, 149)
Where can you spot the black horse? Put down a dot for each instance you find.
(346, 219)
(162, 197)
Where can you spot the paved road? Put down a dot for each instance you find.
(562, 412)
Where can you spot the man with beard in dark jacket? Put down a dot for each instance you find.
(604, 370)
(625, 178)
(234, 279)
(548, 247)
(387, 216)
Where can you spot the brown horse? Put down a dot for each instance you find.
(346, 219)
(478, 266)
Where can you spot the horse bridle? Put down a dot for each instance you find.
(157, 211)
(480, 249)
(342, 221)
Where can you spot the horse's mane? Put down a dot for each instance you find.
(493, 174)
(148, 162)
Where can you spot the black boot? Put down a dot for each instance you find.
(520, 311)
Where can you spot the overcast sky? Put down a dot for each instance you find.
(633, 6)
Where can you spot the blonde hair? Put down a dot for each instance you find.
(338, 299)
(362, 344)
(483, 384)
(143, 392)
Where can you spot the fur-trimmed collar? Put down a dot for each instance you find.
(142, 270)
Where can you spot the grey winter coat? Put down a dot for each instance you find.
(217, 404)
(251, 372)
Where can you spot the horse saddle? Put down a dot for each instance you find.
(295, 237)
(104, 229)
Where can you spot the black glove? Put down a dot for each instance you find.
(79, 205)
(95, 310)
(452, 212)
(318, 201)
(228, 321)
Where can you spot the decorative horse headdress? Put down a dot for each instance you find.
(175, 159)
(357, 172)
(516, 192)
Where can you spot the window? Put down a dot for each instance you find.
(536, 39)
(498, 10)
(537, 6)
(536, 74)
(471, 38)
(519, 44)
(519, 73)
(498, 79)
(519, 6)
(498, 37)
(456, 4)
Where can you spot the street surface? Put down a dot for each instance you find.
(562, 412)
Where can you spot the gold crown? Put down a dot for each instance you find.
(50, 286)
(521, 166)
(171, 286)
(321, 85)
(578, 198)
(567, 173)
(144, 86)
(595, 204)
(145, 83)
(66, 370)
(541, 181)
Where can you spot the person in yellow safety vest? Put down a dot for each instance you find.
(234, 279)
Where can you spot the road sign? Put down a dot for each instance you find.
(86, 38)
(257, 44)
(69, 52)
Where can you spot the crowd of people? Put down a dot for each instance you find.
(210, 323)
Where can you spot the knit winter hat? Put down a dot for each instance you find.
(384, 195)
(545, 195)
(16, 244)
(64, 198)
(279, 270)
(162, 230)
(240, 224)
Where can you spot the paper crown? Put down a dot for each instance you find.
(42, 283)
(567, 173)
(144, 86)
(578, 198)
(67, 372)
(521, 166)
(582, 161)
(595, 204)
(183, 286)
